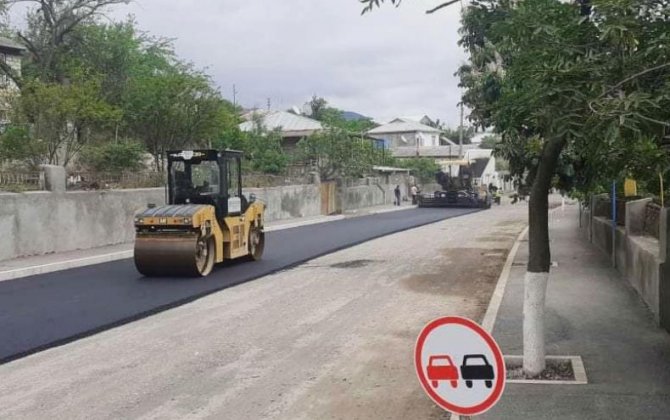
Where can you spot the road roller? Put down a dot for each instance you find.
(207, 219)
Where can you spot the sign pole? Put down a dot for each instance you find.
(614, 215)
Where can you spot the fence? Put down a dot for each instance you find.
(21, 181)
(106, 181)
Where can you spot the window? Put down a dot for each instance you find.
(205, 177)
(233, 178)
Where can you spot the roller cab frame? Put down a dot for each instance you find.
(207, 219)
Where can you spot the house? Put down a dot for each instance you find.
(402, 134)
(10, 54)
(293, 127)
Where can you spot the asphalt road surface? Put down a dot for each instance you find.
(43, 311)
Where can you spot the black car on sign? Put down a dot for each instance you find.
(476, 367)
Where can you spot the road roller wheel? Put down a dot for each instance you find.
(256, 243)
(167, 255)
(204, 255)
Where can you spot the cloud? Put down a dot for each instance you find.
(384, 64)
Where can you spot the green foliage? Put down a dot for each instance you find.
(455, 134)
(263, 151)
(541, 71)
(62, 118)
(114, 157)
(16, 145)
(87, 81)
(489, 142)
(336, 153)
(333, 117)
(422, 168)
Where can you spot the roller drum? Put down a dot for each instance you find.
(173, 255)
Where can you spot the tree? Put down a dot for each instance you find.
(336, 153)
(114, 157)
(424, 169)
(455, 135)
(562, 85)
(318, 107)
(333, 117)
(489, 142)
(263, 151)
(569, 87)
(62, 118)
(51, 24)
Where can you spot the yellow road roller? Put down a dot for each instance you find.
(207, 218)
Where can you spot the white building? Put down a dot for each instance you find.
(402, 134)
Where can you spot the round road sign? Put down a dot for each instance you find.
(459, 365)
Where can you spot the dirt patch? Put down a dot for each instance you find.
(352, 264)
(557, 370)
(466, 272)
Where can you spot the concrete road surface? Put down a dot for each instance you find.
(51, 309)
(332, 338)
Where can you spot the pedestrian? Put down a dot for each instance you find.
(397, 195)
(415, 191)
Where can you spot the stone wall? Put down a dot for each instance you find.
(640, 258)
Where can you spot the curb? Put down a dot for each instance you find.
(64, 265)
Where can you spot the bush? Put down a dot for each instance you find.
(424, 169)
(16, 145)
(114, 157)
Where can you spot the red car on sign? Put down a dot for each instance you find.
(442, 368)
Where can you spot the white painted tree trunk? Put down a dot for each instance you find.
(535, 286)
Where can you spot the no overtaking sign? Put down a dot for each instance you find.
(460, 366)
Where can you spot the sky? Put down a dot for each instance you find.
(392, 62)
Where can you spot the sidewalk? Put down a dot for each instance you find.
(594, 313)
(41, 264)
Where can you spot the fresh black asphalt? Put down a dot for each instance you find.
(44, 311)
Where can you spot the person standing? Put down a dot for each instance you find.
(397, 195)
(415, 191)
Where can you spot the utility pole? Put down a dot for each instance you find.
(269, 103)
(460, 134)
(234, 96)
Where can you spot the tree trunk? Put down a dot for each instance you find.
(539, 260)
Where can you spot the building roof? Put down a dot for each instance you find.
(422, 119)
(403, 127)
(11, 44)
(291, 125)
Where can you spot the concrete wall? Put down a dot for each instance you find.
(289, 202)
(637, 257)
(38, 223)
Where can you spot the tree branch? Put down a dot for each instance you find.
(441, 6)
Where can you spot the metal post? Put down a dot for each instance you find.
(460, 134)
(613, 223)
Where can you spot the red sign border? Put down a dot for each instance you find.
(500, 380)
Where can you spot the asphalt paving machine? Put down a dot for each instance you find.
(207, 219)
(457, 191)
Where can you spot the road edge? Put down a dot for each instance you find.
(53, 267)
